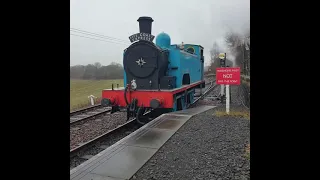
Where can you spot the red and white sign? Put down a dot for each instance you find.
(228, 76)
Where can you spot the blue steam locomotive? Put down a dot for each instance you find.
(157, 76)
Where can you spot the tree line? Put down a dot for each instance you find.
(238, 46)
(97, 71)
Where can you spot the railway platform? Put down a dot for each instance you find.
(123, 159)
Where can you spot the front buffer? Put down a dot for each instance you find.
(118, 97)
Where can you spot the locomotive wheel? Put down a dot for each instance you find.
(139, 116)
(128, 113)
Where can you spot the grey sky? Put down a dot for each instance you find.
(189, 21)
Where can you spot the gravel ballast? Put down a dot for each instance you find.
(98, 147)
(89, 129)
(205, 147)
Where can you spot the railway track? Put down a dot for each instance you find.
(92, 142)
(98, 144)
(87, 113)
(197, 94)
(207, 91)
(94, 111)
(84, 109)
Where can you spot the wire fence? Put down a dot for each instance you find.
(244, 95)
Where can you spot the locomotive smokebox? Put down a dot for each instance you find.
(145, 24)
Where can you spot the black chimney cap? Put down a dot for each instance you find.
(145, 24)
(145, 18)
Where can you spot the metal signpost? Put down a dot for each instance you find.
(222, 57)
(227, 76)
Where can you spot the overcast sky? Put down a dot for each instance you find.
(189, 21)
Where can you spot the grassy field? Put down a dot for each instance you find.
(81, 89)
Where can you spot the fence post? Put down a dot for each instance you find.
(91, 99)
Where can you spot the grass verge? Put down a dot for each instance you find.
(241, 114)
(247, 153)
(81, 89)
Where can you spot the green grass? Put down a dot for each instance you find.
(241, 114)
(81, 89)
(245, 81)
(247, 153)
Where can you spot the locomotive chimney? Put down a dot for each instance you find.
(145, 24)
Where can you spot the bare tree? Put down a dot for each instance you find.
(214, 52)
(77, 72)
(97, 65)
(235, 45)
(239, 46)
(97, 71)
(116, 64)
